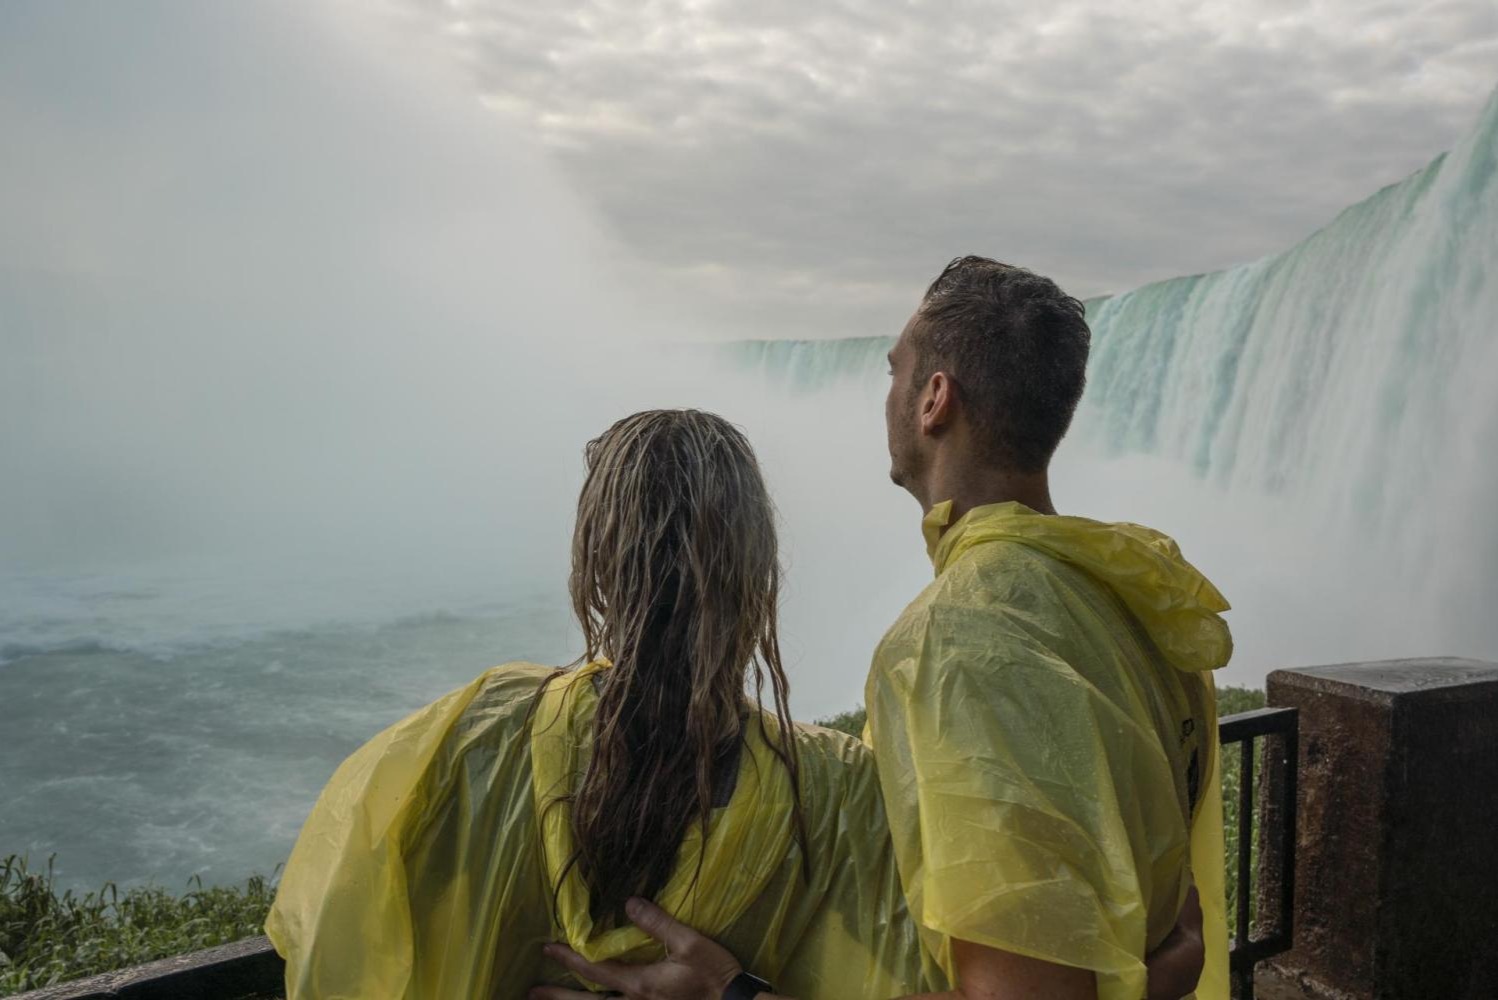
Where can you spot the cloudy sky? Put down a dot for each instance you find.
(802, 169)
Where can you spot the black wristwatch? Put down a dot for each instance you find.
(746, 987)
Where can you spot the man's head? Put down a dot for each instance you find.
(988, 370)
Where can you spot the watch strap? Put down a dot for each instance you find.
(746, 987)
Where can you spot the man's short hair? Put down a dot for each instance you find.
(1016, 347)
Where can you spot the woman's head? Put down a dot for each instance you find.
(676, 533)
(675, 579)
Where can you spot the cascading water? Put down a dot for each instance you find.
(1319, 427)
(1351, 377)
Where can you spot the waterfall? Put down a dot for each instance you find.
(1347, 388)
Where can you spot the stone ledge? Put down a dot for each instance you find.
(1437, 677)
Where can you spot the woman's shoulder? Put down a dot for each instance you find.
(514, 683)
(839, 792)
(833, 765)
(503, 698)
(836, 748)
(486, 735)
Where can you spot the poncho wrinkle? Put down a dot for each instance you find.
(1037, 714)
(427, 868)
(428, 865)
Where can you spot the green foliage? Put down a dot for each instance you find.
(1234, 700)
(46, 938)
(850, 722)
(1231, 701)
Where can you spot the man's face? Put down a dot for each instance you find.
(900, 421)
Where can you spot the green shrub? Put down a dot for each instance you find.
(850, 722)
(46, 938)
(1231, 701)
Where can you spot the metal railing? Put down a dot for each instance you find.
(1275, 833)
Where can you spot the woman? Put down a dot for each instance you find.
(529, 805)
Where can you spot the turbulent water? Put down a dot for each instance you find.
(299, 362)
(286, 457)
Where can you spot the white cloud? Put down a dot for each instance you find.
(804, 168)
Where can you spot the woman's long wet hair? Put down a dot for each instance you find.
(675, 579)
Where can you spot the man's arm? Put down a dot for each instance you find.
(698, 968)
(985, 973)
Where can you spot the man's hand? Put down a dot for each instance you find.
(1176, 966)
(695, 967)
(698, 968)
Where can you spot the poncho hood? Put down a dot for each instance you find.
(1178, 606)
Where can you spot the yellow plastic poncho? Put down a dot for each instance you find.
(423, 871)
(1044, 721)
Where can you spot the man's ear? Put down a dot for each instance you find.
(938, 403)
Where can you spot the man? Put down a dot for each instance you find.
(1042, 715)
